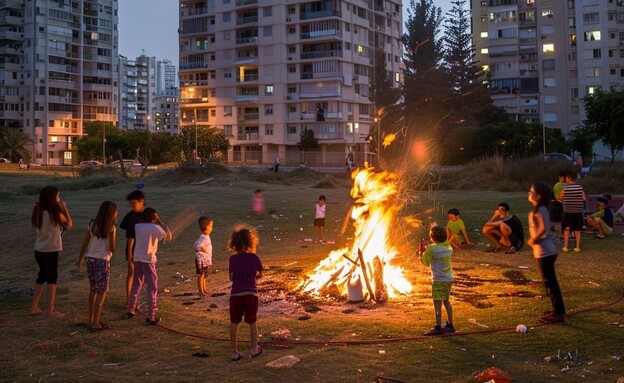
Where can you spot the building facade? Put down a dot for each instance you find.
(265, 71)
(59, 59)
(545, 56)
(137, 97)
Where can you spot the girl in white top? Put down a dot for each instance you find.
(50, 218)
(98, 247)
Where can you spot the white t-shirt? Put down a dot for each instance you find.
(203, 251)
(99, 248)
(49, 236)
(319, 212)
(146, 237)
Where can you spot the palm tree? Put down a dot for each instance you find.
(14, 144)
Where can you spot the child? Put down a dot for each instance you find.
(545, 249)
(602, 220)
(203, 254)
(257, 203)
(319, 217)
(438, 257)
(98, 247)
(136, 200)
(454, 227)
(50, 217)
(573, 197)
(147, 236)
(245, 267)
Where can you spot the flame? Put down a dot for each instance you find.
(374, 214)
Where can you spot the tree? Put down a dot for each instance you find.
(471, 98)
(211, 143)
(307, 141)
(424, 89)
(583, 139)
(381, 91)
(605, 114)
(90, 145)
(14, 144)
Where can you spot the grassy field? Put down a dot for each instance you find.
(336, 341)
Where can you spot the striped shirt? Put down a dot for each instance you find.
(573, 197)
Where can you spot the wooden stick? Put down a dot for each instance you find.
(346, 221)
(365, 274)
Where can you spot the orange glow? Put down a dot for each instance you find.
(374, 213)
(389, 139)
(419, 150)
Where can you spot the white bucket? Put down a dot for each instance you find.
(354, 291)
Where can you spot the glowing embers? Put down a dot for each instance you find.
(368, 262)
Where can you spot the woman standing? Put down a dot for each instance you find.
(545, 249)
(50, 218)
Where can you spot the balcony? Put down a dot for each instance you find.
(247, 20)
(193, 65)
(249, 117)
(319, 34)
(319, 75)
(246, 40)
(248, 78)
(248, 137)
(245, 2)
(321, 54)
(319, 14)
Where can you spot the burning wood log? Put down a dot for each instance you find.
(381, 293)
(365, 275)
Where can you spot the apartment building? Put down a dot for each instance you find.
(59, 59)
(166, 78)
(265, 71)
(137, 85)
(544, 56)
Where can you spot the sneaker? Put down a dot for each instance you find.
(552, 318)
(153, 322)
(437, 330)
(448, 328)
(577, 249)
(565, 249)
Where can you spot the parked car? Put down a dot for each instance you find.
(4, 160)
(557, 157)
(126, 163)
(90, 164)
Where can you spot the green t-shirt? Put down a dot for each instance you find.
(456, 227)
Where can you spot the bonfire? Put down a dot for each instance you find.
(367, 264)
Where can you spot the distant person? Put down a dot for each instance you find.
(456, 230)
(148, 233)
(136, 200)
(257, 203)
(50, 218)
(203, 254)
(245, 267)
(276, 164)
(602, 220)
(504, 229)
(556, 204)
(573, 197)
(437, 256)
(545, 250)
(22, 164)
(98, 248)
(319, 217)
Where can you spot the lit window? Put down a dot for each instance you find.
(591, 36)
(484, 35)
(268, 90)
(548, 48)
(484, 51)
(397, 77)
(360, 49)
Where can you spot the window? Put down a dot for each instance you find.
(550, 117)
(592, 72)
(548, 64)
(592, 89)
(292, 69)
(267, 12)
(590, 18)
(574, 94)
(292, 89)
(484, 51)
(591, 36)
(268, 90)
(267, 31)
(550, 82)
(268, 130)
(227, 130)
(548, 100)
(227, 110)
(213, 113)
(291, 129)
(597, 53)
(268, 109)
(227, 75)
(548, 48)
(227, 17)
(547, 12)
(484, 35)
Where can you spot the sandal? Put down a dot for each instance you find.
(511, 250)
(600, 237)
(237, 356)
(258, 352)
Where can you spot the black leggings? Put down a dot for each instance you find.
(547, 268)
(48, 267)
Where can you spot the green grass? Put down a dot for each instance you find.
(496, 290)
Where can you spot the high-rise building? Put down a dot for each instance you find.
(166, 78)
(137, 85)
(58, 60)
(266, 71)
(545, 56)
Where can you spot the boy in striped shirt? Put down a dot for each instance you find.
(573, 198)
